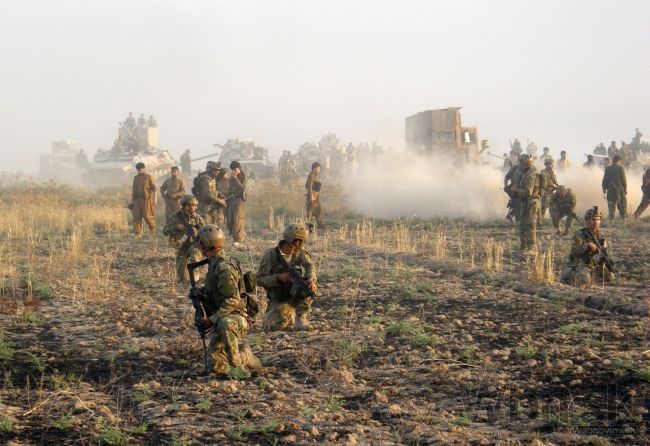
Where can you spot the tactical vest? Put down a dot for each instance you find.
(282, 292)
(245, 286)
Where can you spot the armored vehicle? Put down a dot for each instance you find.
(440, 132)
(65, 162)
(132, 146)
(253, 158)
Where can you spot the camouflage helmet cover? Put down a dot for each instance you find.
(211, 165)
(210, 236)
(295, 231)
(593, 212)
(548, 161)
(187, 199)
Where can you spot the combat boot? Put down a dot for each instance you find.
(302, 323)
(248, 359)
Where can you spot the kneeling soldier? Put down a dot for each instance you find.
(181, 228)
(588, 260)
(289, 303)
(563, 204)
(225, 307)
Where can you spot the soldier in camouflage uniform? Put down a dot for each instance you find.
(172, 190)
(645, 188)
(208, 193)
(225, 308)
(181, 228)
(510, 180)
(615, 188)
(585, 263)
(563, 204)
(527, 190)
(550, 184)
(312, 185)
(289, 305)
(237, 202)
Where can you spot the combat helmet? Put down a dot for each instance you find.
(548, 161)
(561, 189)
(593, 212)
(187, 199)
(295, 231)
(210, 236)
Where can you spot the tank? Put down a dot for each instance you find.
(66, 162)
(253, 158)
(132, 146)
(440, 132)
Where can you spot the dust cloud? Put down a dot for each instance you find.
(407, 186)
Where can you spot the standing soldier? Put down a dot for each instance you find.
(510, 180)
(143, 201)
(223, 186)
(563, 204)
(172, 190)
(129, 122)
(237, 203)
(289, 305)
(527, 190)
(142, 122)
(549, 185)
(181, 228)
(186, 163)
(225, 311)
(612, 150)
(207, 192)
(588, 257)
(645, 188)
(590, 162)
(615, 188)
(563, 162)
(313, 187)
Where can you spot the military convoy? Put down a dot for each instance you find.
(65, 162)
(253, 158)
(440, 132)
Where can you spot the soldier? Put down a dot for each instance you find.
(129, 122)
(207, 192)
(181, 228)
(237, 203)
(636, 140)
(600, 149)
(151, 122)
(510, 180)
(528, 192)
(143, 201)
(313, 187)
(612, 150)
(223, 186)
(645, 188)
(545, 155)
(615, 188)
(289, 305)
(590, 162)
(588, 253)
(172, 190)
(82, 160)
(563, 162)
(516, 147)
(186, 163)
(225, 309)
(142, 122)
(548, 187)
(606, 162)
(563, 204)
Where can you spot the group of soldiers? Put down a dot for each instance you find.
(130, 122)
(194, 225)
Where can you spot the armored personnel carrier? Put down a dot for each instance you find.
(133, 145)
(440, 132)
(66, 162)
(253, 158)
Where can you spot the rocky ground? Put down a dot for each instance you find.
(425, 333)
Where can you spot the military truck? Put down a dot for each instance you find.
(66, 162)
(254, 159)
(440, 132)
(132, 146)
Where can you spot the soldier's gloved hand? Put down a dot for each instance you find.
(284, 278)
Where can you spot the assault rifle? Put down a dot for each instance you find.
(603, 258)
(195, 297)
(296, 278)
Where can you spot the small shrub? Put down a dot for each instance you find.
(6, 348)
(64, 423)
(112, 436)
(6, 425)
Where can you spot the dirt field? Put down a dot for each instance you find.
(426, 332)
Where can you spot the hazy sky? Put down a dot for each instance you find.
(567, 74)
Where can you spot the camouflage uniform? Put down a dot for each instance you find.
(513, 175)
(528, 194)
(563, 204)
(582, 268)
(186, 163)
(550, 184)
(226, 309)
(186, 248)
(172, 190)
(287, 302)
(237, 206)
(615, 186)
(313, 205)
(208, 196)
(645, 200)
(143, 188)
